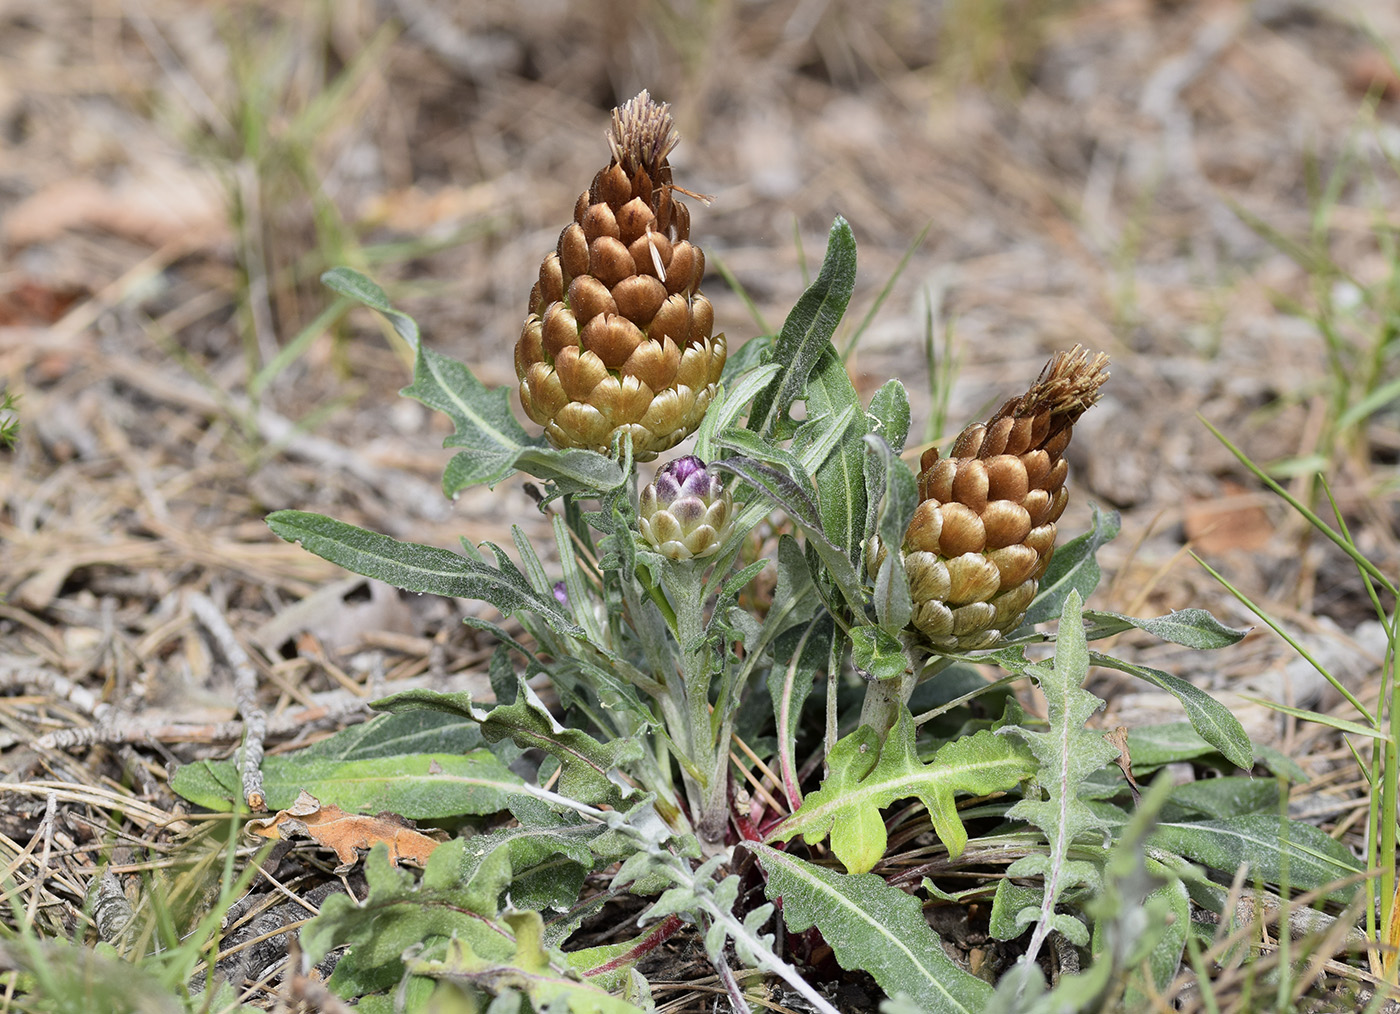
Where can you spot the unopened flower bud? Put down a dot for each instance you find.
(685, 512)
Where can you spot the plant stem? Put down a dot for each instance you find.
(685, 587)
(884, 700)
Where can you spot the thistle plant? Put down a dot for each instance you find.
(631, 607)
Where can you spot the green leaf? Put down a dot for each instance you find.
(807, 332)
(531, 970)
(1296, 856)
(1068, 753)
(395, 736)
(798, 655)
(571, 469)
(1223, 798)
(1194, 628)
(733, 398)
(1073, 567)
(1215, 723)
(893, 495)
(585, 762)
(424, 786)
(874, 927)
(866, 776)
(417, 568)
(1153, 746)
(400, 912)
(877, 654)
(495, 444)
(361, 289)
(788, 495)
(484, 424)
(889, 411)
(547, 865)
(423, 766)
(833, 411)
(1168, 911)
(755, 447)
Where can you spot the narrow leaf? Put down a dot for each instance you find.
(833, 411)
(1297, 856)
(1193, 628)
(415, 567)
(1215, 722)
(807, 332)
(356, 286)
(874, 927)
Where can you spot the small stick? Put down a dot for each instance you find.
(46, 828)
(245, 696)
(59, 686)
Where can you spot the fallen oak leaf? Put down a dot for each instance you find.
(347, 834)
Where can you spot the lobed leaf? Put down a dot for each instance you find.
(495, 443)
(866, 776)
(528, 971)
(1068, 753)
(399, 912)
(877, 654)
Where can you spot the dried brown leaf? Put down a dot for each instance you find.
(347, 834)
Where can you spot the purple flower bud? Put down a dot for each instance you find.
(561, 593)
(686, 512)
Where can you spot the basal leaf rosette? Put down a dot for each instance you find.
(686, 513)
(619, 338)
(984, 531)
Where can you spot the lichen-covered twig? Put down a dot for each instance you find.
(245, 697)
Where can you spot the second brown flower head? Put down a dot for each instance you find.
(984, 531)
(619, 338)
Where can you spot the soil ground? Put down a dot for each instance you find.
(1148, 178)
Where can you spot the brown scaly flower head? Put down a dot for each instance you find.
(984, 529)
(619, 337)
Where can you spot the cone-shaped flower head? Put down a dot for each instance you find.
(686, 512)
(984, 529)
(619, 338)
